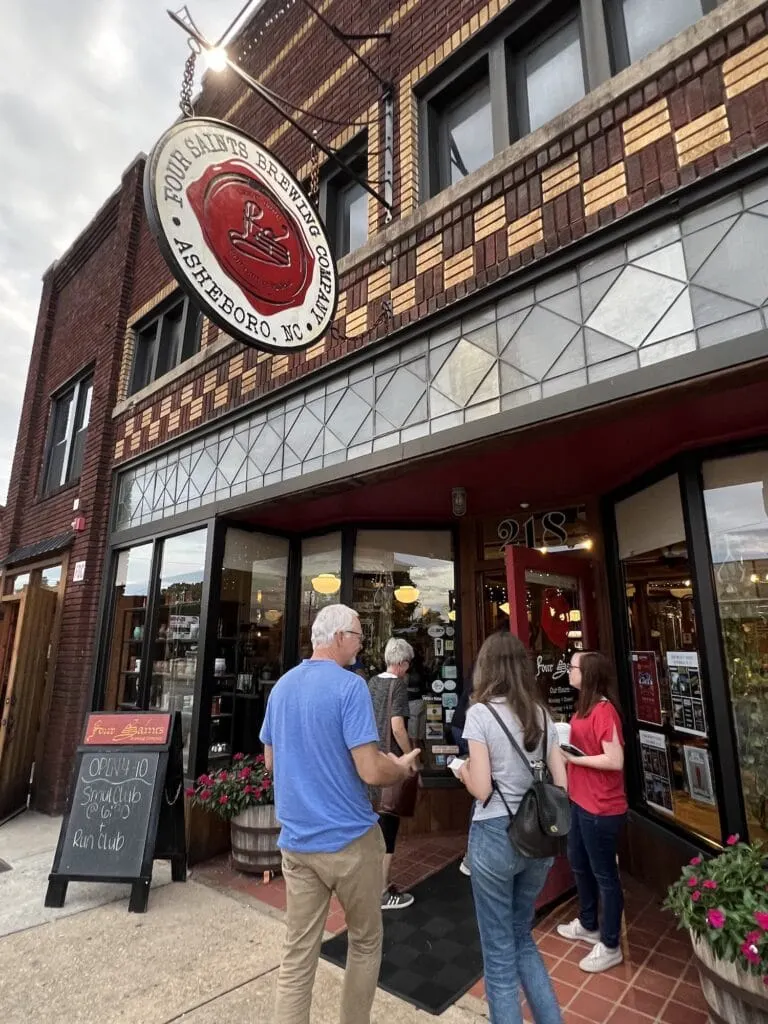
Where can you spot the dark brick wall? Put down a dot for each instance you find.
(82, 323)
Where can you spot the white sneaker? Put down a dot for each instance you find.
(464, 867)
(575, 931)
(601, 959)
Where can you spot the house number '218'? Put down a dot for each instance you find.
(550, 528)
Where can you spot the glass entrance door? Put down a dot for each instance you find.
(551, 610)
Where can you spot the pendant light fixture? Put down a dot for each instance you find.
(326, 583)
(407, 594)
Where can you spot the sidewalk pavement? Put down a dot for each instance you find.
(198, 955)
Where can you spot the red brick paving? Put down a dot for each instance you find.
(656, 984)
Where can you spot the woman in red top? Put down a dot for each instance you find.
(598, 810)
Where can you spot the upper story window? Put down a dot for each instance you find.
(344, 202)
(67, 431)
(518, 84)
(168, 337)
(640, 26)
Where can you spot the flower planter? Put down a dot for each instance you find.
(733, 996)
(254, 835)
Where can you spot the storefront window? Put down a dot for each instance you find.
(404, 586)
(736, 498)
(670, 723)
(249, 641)
(177, 628)
(131, 596)
(320, 582)
(16, 584)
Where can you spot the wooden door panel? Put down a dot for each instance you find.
(20, 714)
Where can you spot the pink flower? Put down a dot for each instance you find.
(709, 884)
(244, 773)
(223, 799)
(259, 759)
(267, 783)
(761, 916)
(695, 861)
(696, 896)
(716, 918)
(693, 882)
(749, 950)
(238, 757)
(205, 795)
(205, 780)
(753, 937)
(223, 775)
(733, 840)
(190, 791)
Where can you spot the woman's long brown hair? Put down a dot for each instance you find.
(504, 669)
(597, 682)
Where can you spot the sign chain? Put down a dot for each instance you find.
(314, 179)
(187, 81)
(176, 796)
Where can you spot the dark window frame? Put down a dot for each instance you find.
(149, 336)
(334, 182)
(501, 57)
(617, 32)
(78, 392)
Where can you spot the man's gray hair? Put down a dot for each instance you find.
(333, 619)
(397, 651)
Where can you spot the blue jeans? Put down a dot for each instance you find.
(505, 886)
(592, 843)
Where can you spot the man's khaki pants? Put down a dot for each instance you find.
(355, 875)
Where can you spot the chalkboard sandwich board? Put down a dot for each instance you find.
(126, 807)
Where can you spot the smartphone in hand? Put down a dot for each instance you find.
(573, 751)
(455, 764)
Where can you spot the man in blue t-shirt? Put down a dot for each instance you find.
(321, 743)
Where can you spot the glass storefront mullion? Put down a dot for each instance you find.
(722, 739)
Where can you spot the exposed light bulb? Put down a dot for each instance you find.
(216, 58)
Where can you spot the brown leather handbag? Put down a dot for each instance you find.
(399, 798)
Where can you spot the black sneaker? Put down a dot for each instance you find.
(396, 900)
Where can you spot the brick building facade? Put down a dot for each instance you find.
(542, 333)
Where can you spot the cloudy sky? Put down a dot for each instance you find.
(84, 86)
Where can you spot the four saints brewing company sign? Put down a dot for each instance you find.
(240, 235)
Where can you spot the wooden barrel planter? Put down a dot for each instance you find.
(732, 995)
(254, 835)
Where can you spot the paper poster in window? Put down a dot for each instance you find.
(657, 777)
(699, 772)
(685, 688)
(645, 684)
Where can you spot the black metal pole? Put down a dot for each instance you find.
(344, 40)
(268, 98)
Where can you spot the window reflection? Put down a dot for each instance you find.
(404, 586)
(174, 643)
(736, 498)
(249, 642)
(554, 75)
(131, 595)
(353, 214)
(649, 23)
(467, 125)
(51, 577)
(320, 582)
(670, 723)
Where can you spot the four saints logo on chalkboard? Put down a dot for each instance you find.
(240, 235)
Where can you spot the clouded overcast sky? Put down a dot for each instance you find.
(85, 85)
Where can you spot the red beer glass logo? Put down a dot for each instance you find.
(254, 240)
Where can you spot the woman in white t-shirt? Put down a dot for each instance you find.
(506, 885)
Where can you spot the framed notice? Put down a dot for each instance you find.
(699, 772)
(657, 776)
(645, 686)
(685, 691)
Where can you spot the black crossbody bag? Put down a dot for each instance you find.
(543, 818)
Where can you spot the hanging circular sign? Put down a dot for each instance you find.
(240, 235)
(450, 684)
(438, 686)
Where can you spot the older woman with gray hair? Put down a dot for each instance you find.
(389, 693)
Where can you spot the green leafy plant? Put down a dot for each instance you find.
(246, 783)
(724, 901)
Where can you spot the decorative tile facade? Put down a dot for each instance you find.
(686, 285)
